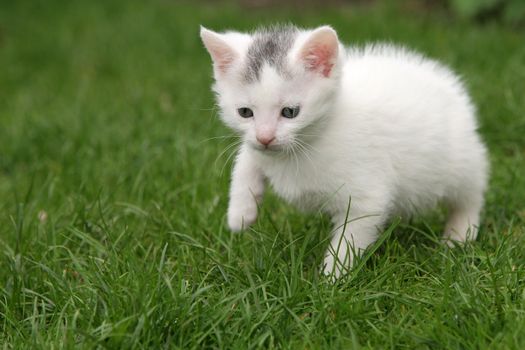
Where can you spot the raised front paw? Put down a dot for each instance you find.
(240, 216)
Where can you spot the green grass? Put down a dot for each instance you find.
(113, 195)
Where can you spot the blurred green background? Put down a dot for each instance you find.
(503, 11)
(114, 172)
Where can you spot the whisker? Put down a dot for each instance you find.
(233, 136)
(229, 147)
(301, 134)
(296, 158)
(227, 161)
(302, 151)
(308, 148)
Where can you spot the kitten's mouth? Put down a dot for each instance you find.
(267, 148)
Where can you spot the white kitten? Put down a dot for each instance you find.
(387, 128)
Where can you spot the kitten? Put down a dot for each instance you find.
(380, 131)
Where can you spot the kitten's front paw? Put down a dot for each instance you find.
(240, 217)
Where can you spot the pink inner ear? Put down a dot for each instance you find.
(222, 59)
(320, 58)
(221, 53)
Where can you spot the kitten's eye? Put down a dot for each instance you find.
(245, 112)
(290, 112)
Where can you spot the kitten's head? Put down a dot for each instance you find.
(275, 86)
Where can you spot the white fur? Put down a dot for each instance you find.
(388, 130)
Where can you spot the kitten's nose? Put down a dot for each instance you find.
(265, 139)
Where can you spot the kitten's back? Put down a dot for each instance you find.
(415, 112)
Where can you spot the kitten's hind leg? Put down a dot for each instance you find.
(463, 221)
(465, 199)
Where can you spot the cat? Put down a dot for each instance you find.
(361, 133)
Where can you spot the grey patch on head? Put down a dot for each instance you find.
(269, 45)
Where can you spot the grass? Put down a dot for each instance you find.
(113, 195)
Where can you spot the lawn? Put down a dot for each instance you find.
(114, 174)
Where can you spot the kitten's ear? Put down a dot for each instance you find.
(220, 51)
(319, 52)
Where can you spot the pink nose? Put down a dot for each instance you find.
(265, 140)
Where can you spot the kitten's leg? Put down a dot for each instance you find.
(465, 200)
(465, 206)
(463, 222)
(246, 190)
(359, 232)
